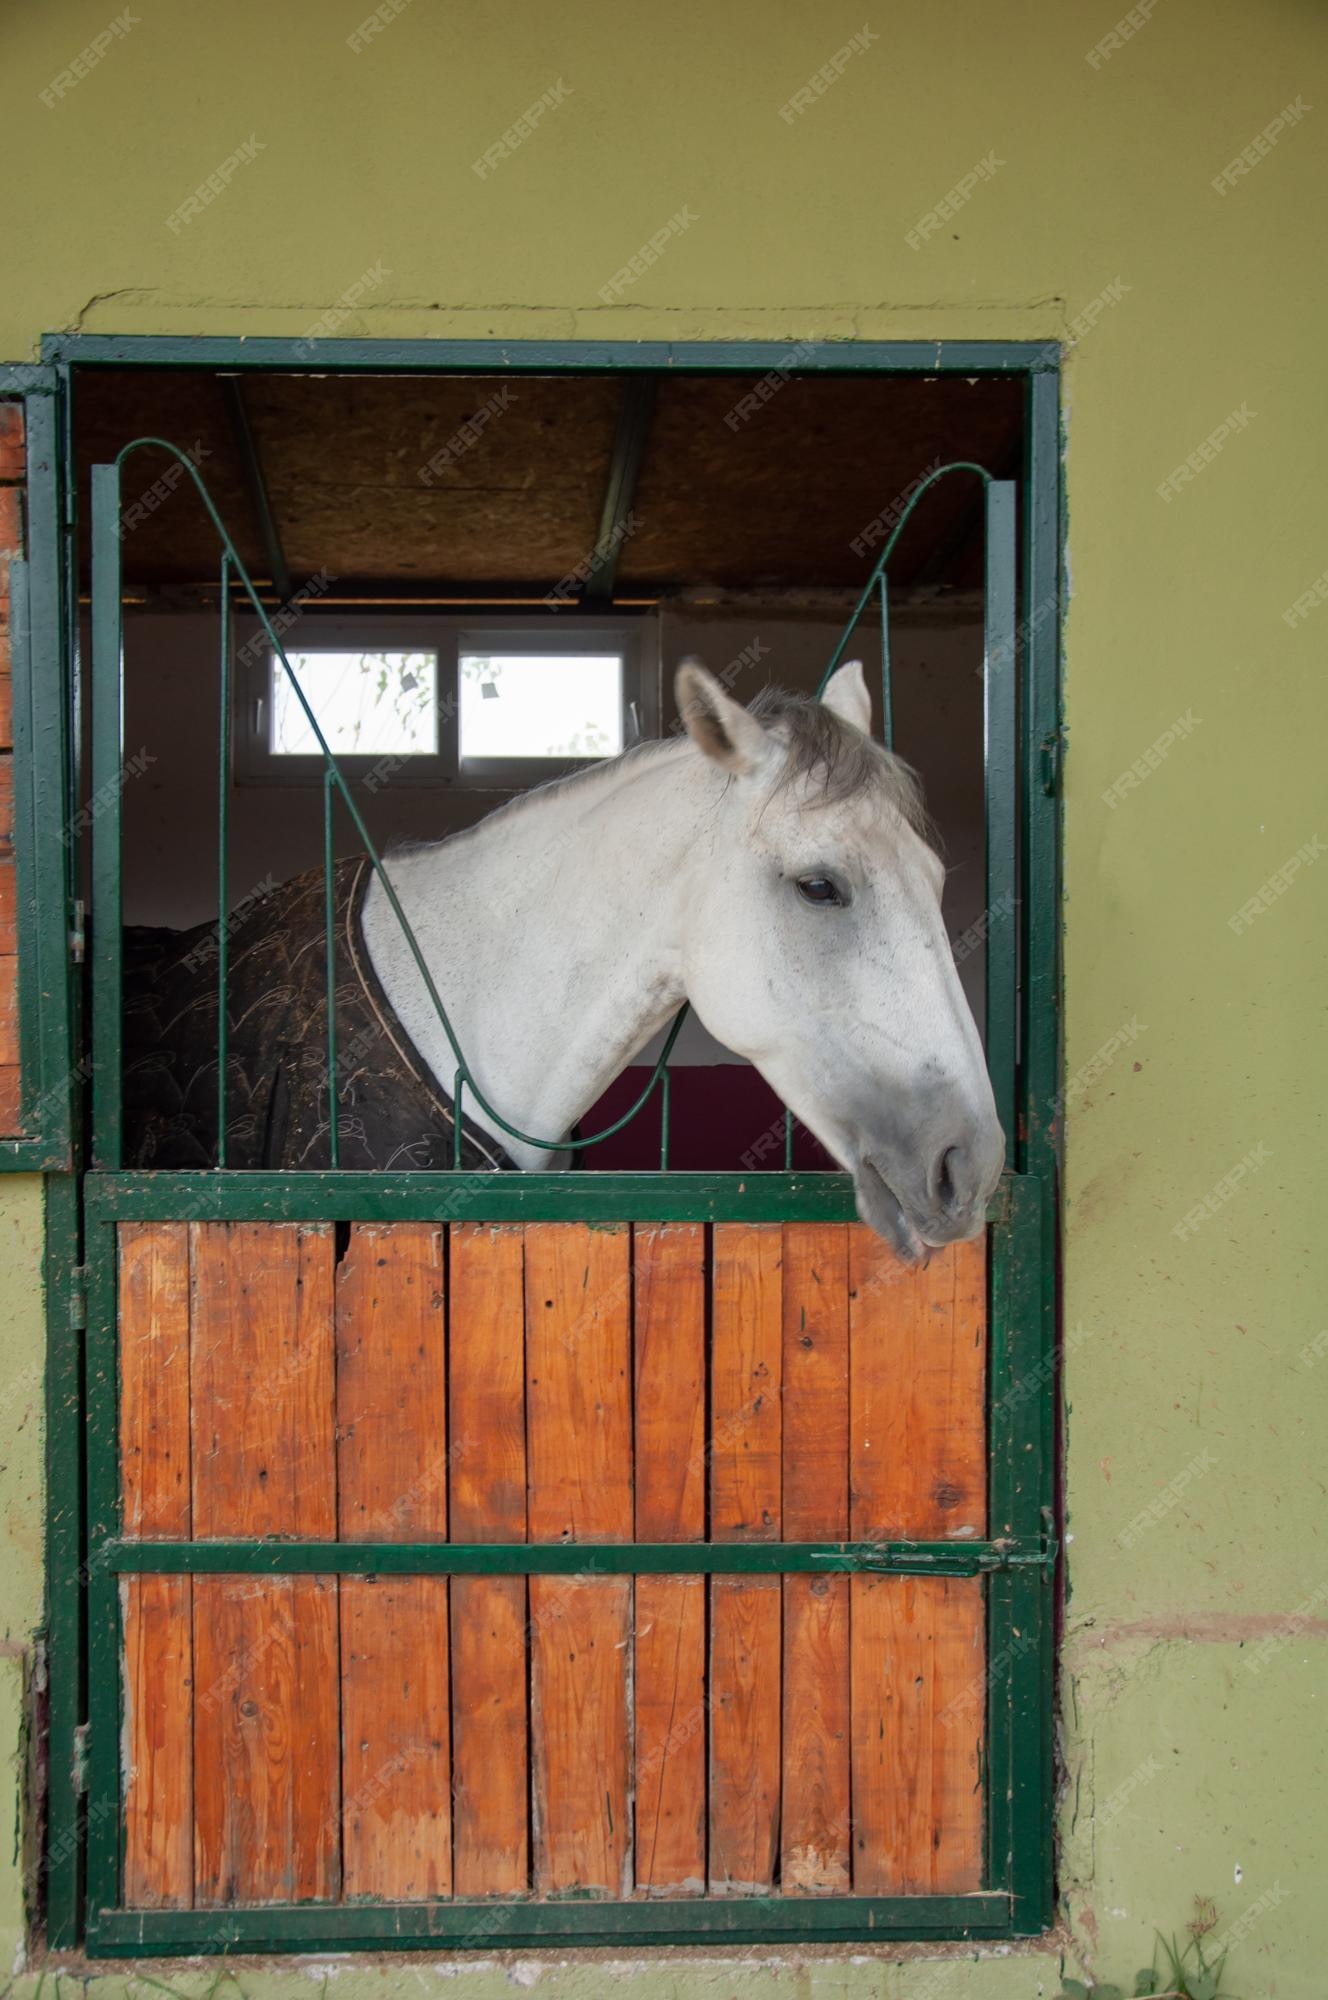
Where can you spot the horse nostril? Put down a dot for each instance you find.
(951, 1176)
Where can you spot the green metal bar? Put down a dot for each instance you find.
(223, 862)
(887, 679)
(462, 1926)
(1020, 1490)
(1001, 784)
(329, 944)
(879, 567)
(481, 1197)
(788, 1141)
(313, 1558)
(1040, 800)
(107, 760)
(42, 825)
(538, 357)
(458, 1093)
(665, 1112)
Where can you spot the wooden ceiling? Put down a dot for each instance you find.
(770, 498)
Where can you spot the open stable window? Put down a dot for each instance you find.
(442, 700)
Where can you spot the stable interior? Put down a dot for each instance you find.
(731, 517)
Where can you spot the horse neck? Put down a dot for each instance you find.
(552, 931)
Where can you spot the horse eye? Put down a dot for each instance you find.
(817, 890)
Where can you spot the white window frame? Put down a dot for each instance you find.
(635, 635)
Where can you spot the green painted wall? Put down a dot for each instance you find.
(1195, 1759)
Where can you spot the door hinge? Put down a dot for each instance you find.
(81, 1760)
(78, 1298)
(1052, 749)
(1009, 1552)
(78, 937)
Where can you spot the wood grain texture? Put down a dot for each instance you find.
(391, 1384)
(747, 1341)
(918, 1649)
(669, 1282)
(671, 1720)
(158, 1743)
(578, 1412)
(261, 1366)
(579, 1440)
(581, 1637)
(392, 1486)
(158, 1640)
(814, 1822)
(487, 1467)
(267, 1805)
(744, 1734)
(266, 1713)
(670, 1636)
(918, 1375)
(396, 1736)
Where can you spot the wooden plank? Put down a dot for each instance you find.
(746, 1477)
(158, 1640)
(578, 1411)
(158, 1743)
(11, 1100)
(266, 1717)
(267, 1805)
(670, 1634)
(392, 1486)
(154, 1377)
(669, 1383)
(744, 1734)
(391, 1384)
(579, 1485)
(814, 1821)
(747, 1340)
(917, 1468)
(396, 1762)
(261, 1362)
(8, 1009)
(918, 1372)
(581, 1636)
(917, 1646)
(670, 1713)
(487, 1467)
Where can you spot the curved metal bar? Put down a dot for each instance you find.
(879, 566)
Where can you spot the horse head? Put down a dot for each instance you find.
(814, 946)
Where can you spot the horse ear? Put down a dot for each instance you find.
(848, 695)
(717, 724)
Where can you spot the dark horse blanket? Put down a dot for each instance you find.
(391, 1112)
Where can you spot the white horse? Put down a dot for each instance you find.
(770, 867)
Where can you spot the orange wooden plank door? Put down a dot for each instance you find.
(487, 1476)
(158, 1635)
(392, 1486)
(745, 1612)
(670, 1620)
(814, 1823)
(267, 1808)
(579, 1439)
(917, 1471)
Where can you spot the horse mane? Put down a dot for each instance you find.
(822, 747)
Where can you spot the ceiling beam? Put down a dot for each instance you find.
(232, 390)
(615, 519)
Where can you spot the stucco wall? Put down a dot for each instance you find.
(1196, 1760)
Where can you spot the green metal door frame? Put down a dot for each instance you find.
(1017, 1558)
